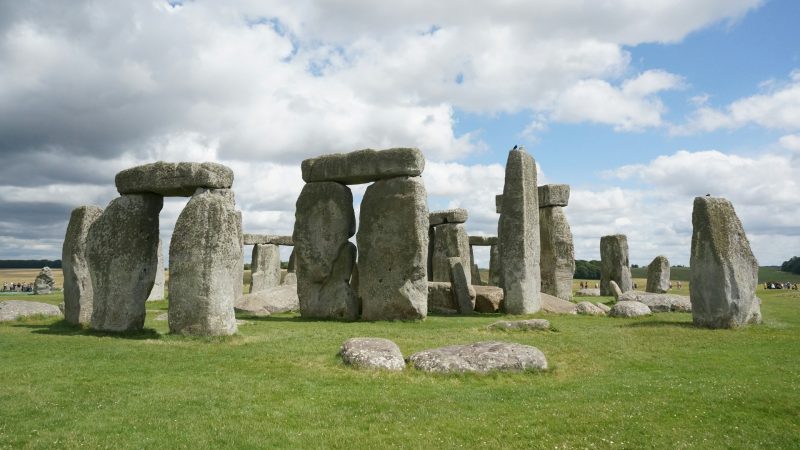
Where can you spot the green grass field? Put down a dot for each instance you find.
(765, 273)
(630, 383)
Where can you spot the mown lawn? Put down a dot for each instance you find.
(629, 383)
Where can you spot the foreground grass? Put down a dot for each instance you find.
(653, 382)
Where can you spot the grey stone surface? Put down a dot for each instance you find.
(615, 289)
(463, 291)
(364, 166)
(18, 309)
(480, 357)
(557, 252)
(483, 241)
(555, 305)
(553, 195)
(475, 271)
(372, 353)
(393, 245)
(324, 259)
(122, 256)
(659, 302)
(589, 309)
(449, 240)
(289, 279)
(157, 292)
(498, 203)
(588, 292)
(44, 282)
(614, 264)
(629, 309)
(494, 266)
(488, 299)
(274, 239)
(524, 325)
(78, 293)
(205, 265)
(265, 267)
(518, 234)
(455, 215)
(440, 296)
(271, 300)
(658, 275)
(724, 271)
(173, 179)
(603, 306)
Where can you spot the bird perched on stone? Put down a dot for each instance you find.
(515, 147)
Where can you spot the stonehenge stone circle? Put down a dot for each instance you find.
(480, 357)
(440, 296)
(557, 249)
(614, 264)
(589, 309)
(724, 271)
(488, 299)
(364, 166)
(205, 265)
(518, 235)
(273, 300)
(324, 259)
(372, 353)
(157, 293)
(658, 275)
(121, 252)
(173, 179)
(78, 292)
(265, 267)
(393, 246)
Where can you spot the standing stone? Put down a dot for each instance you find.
(557, 252)
(724, 271)
(205, 264)
(78, 291)
(450, 240)
(614, 263)
(494, 266)
(475, 271)
(157, 293)
(658, 275)
(324, 259)
(518, 234)
(393, 245)
(265, 267)
(44, 282)
(463, 291)
(122, 254)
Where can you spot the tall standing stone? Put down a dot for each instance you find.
(450, 240)
(393, 246)
(614, 263)
(122, 254)
(157, 293)
(265, 267)
(557, 251)
(205, 264)
(724, 271)
(494, 266)
(78, 291)
(324, 259)
(518, 234)
(658, 275)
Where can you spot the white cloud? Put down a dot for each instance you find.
(791, 142)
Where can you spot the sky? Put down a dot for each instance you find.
(639, 105)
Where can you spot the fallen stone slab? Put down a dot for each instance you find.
(364, 166)
(606, 309)
(173, 179)
(455, 215)
(483, 241)
(659, 302)
(589, 309)
(480, 357)
(588, 292)
(372, 353)
(18, 309)
(555, 305)
(524, 325)
(271, 300)
(553, 195)
(488, 299)
(274, 239)
(463, 291)
(629, 309)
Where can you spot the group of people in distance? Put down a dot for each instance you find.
(17, 287)
(779, 285)
(585, 285)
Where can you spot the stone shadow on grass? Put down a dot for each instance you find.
(64, 328)
(660, 324)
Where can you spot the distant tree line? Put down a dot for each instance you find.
(792, 265)
(29, 263)
(587, 270)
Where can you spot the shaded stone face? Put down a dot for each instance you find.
(518, 234)
(393, 245)
(553, 195)
(614, 264)
(456, 215)
(724, 271)
(173, 179)
(494, 266)
(658, 275)
(364, 166)
(324, 259)
(449, 241)
(157, 293)
(557, 252)
(440, 296)
(122, 255)
(205, 266)
(265, 267)
(483, 241)
(78, 293)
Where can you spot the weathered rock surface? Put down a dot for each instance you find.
(488, 299)
(440, 296)
(463, 291)
(494, 266)
(724, 272)
(557, 252)
(658, 275)
(606, 309)
(274, 239)
(449, 240)
(614, 264)
(44, 282)
(518, 234)
(265, 267)
(615, 290)
(19, 309)
(659, 302)
(483, 241)
(372, 353)
(589, 309)
(271, 300)
(122, 256)
(555, 305)
(553, 195)
(480, 357)
(364, 166)
(78, 293)
(588, 292)
(157, 293)
(205, 260)
(393, 245)
(498, 203)
(324, 259)
(525, 325)
(629, 309)
(173, 179)
(455, 215)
